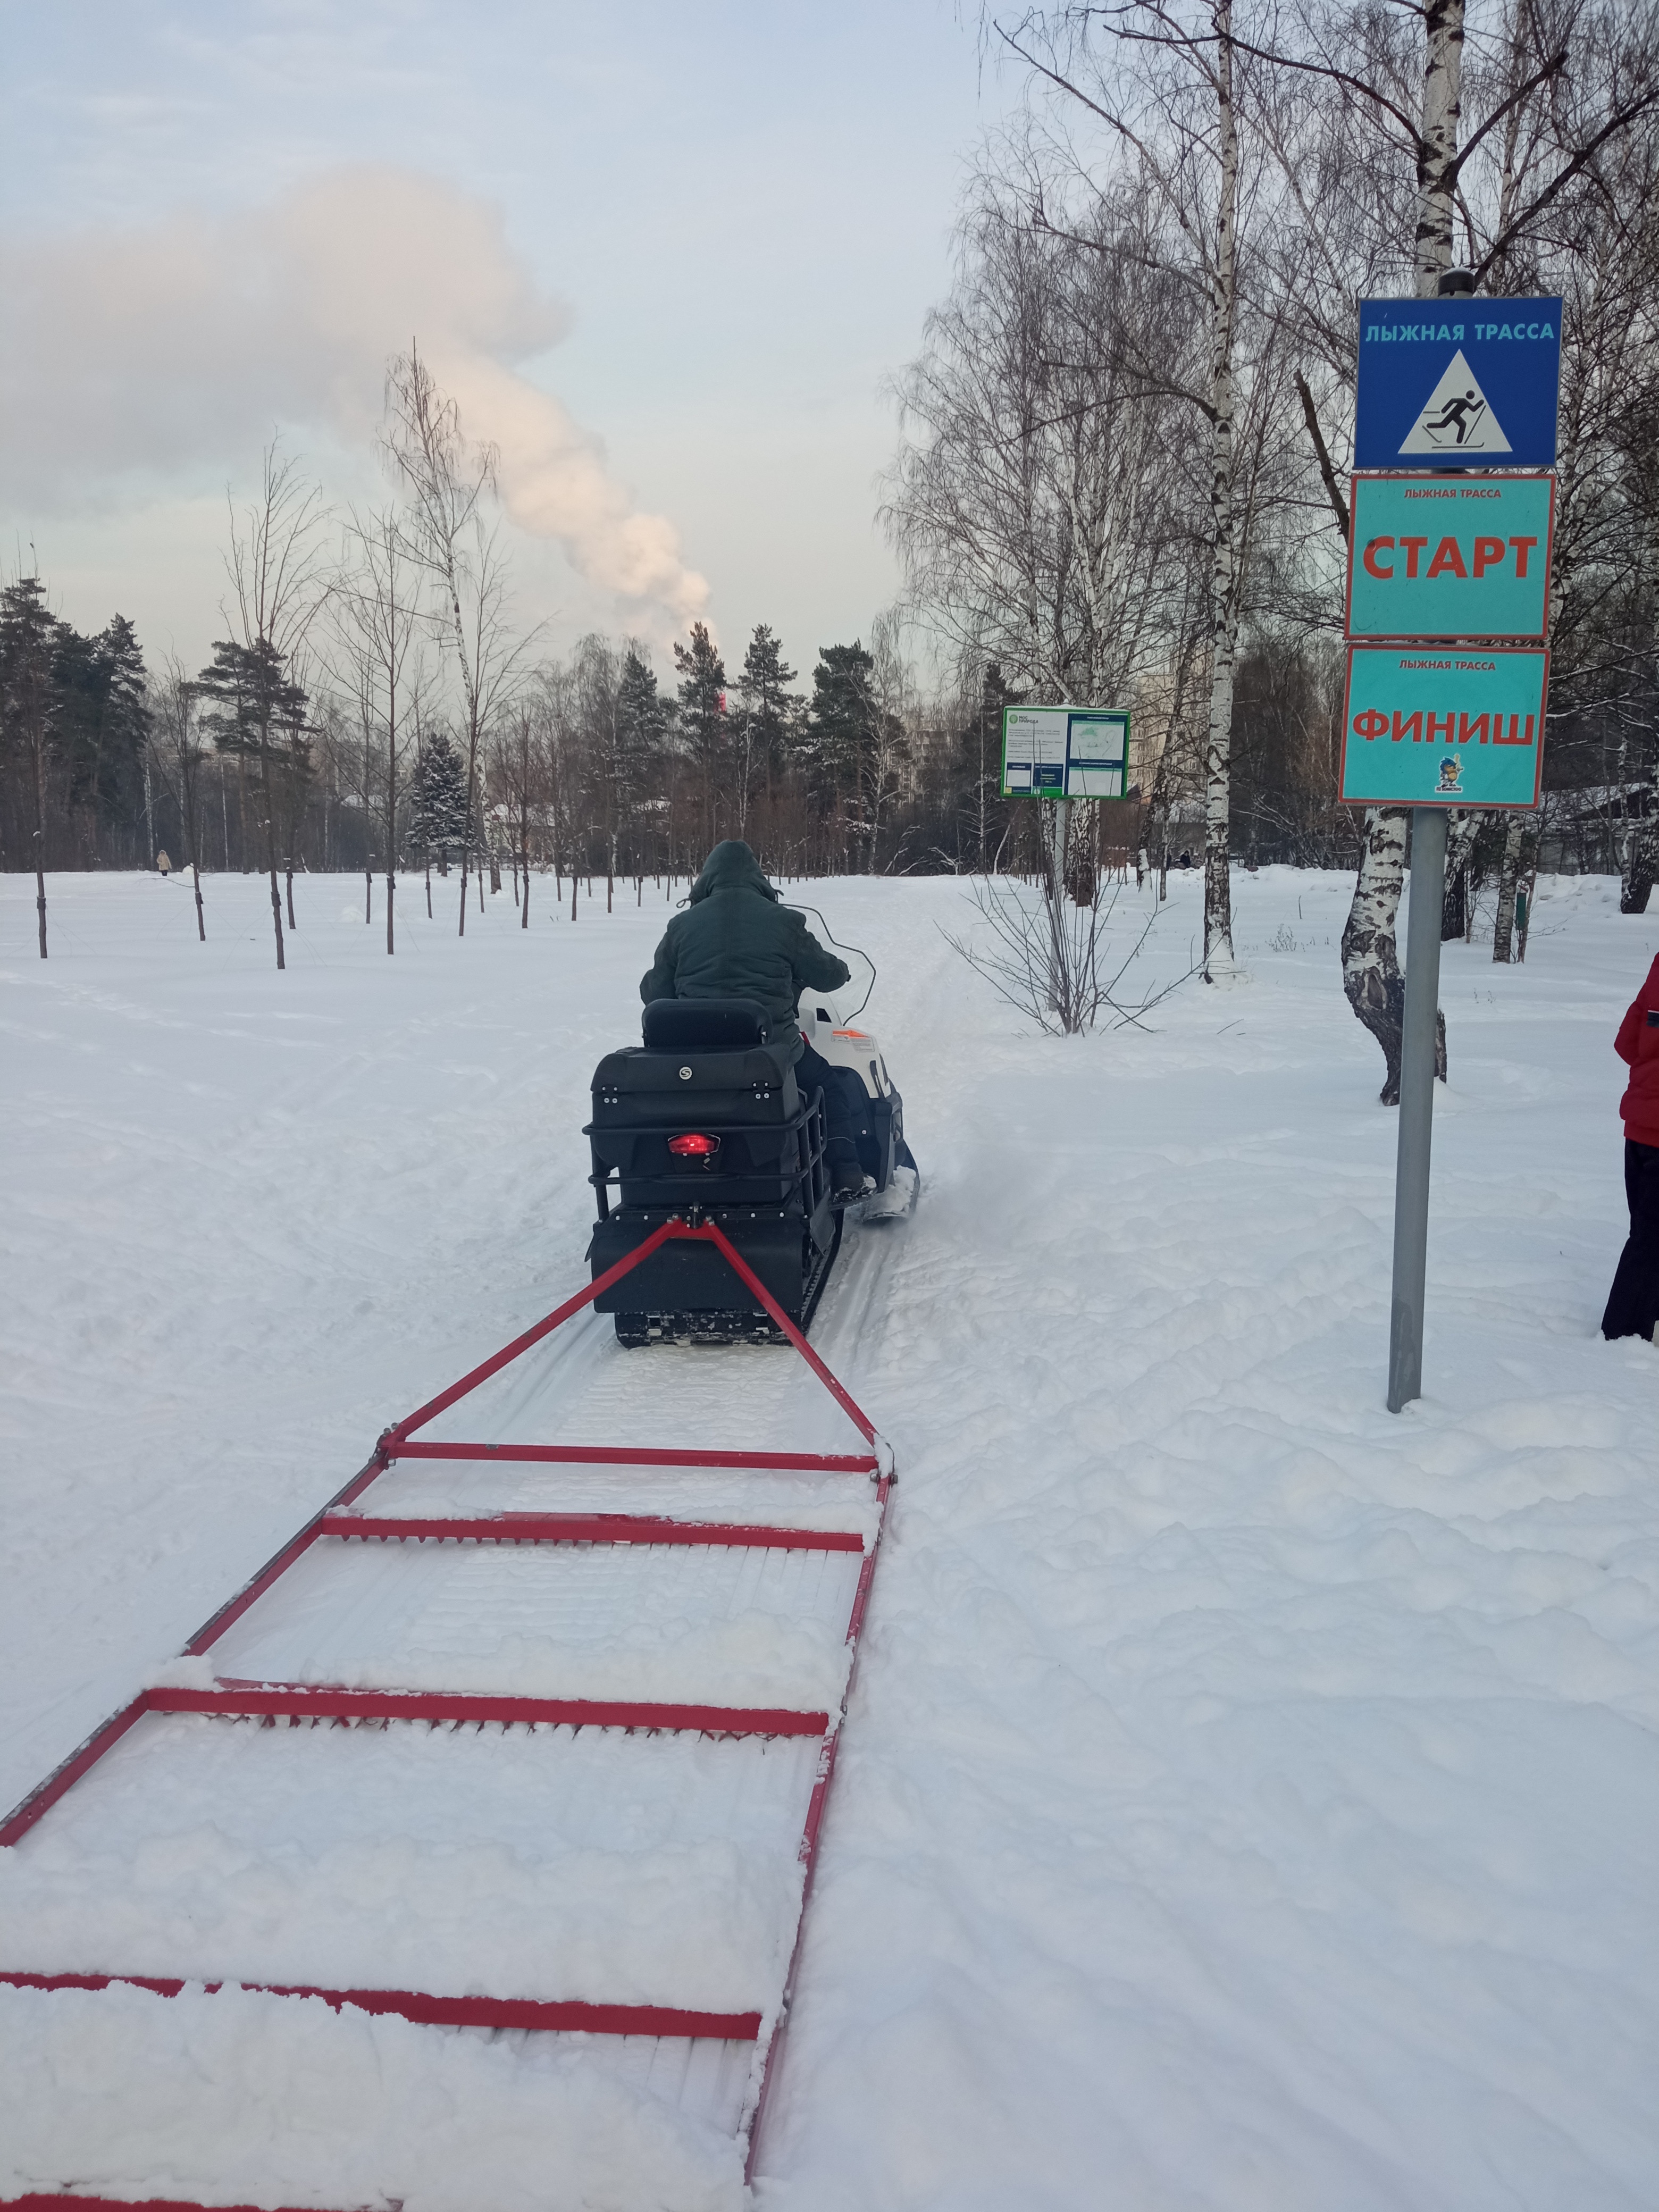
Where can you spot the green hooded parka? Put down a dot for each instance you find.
(737, 939)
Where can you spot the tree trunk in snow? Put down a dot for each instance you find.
(1636, 884)
(1371, 959)
(1462, 827)
(1218, 963)
(37, 741)
(1503, 936)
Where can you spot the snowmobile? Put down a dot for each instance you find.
(704, 1119)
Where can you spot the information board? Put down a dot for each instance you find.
(1065, 752)
(1437, 726)
(1450, 558)
(1461, 382)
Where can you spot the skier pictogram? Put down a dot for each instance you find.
(1458, 417)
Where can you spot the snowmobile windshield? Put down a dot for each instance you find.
(827, 937)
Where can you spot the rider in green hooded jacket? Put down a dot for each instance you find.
(736, 939)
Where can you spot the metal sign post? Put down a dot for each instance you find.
(1410, 1173)
(1445, 565)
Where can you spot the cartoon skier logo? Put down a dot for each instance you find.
(1451, 774)
(1457, 416)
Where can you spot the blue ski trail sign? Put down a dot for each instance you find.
(1461, 382)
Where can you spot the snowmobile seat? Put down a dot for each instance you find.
(705, 1024)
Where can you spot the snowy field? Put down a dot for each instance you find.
(1249, 1799)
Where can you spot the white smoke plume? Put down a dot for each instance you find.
(151, 353)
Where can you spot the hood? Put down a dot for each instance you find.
(731, 867)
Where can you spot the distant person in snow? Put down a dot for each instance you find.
(1633, 1302)
(736, 939)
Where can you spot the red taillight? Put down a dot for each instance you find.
(694, 1148)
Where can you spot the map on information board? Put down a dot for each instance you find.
(1065, 752)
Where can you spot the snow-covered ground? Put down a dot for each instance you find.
(1248, 1797)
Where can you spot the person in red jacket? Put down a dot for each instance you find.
(1633, 1302)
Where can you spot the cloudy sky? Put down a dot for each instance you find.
(665, 255)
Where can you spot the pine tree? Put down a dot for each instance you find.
(841, 724)
(769, 712)
(703, 718)
(641, 714)
(29, 635)
(439, 816)
(103, 722)
(257, 712)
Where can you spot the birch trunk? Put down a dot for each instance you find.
(269, 801)
(1371, 975)
(1503, 936)
(1218, 963)
(1641, 864)
(1462, 828)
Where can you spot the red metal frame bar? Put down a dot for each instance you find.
(445, 1399)
(673, 1231)
(56, 2201)
(45, 1795)
(328, 1701)
(593, 1528)
(233, 1608)
(549, 2016)
(808, 1854)
(310, 1701)
(642, 1456)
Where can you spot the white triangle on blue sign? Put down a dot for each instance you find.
(1458, 418)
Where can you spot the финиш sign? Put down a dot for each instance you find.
(1461, 382)
(1450, 558)
(1434, 726)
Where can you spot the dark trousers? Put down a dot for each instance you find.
(814, 1073)
(1633, 1300)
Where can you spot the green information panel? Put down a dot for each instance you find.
(1434, 557)
(1065, 752)
(1428, 725)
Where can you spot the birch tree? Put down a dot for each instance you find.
(378, 619)
(276, 564)
(450, 481)
(1038, 503)
(1352, 102)
(1165, 86)
(180, 752)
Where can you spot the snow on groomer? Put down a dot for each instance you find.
(736, 939)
